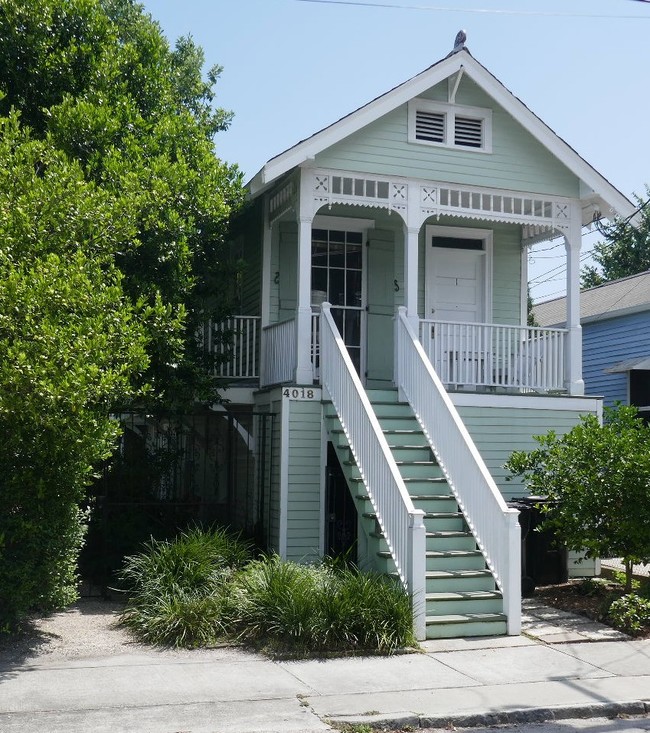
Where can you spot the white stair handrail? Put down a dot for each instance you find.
(494, 525)
(401, 523)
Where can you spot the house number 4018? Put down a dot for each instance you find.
(299, 393)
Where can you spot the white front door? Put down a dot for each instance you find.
(457, 295)
(456, 285)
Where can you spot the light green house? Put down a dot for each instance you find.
(383, 323)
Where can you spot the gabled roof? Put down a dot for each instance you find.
(604, 192)
(616, 298)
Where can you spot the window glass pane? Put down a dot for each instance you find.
(319, 280)
(337, 315)
(352, 327)
(355, 355)
(319, 235)
(355, 237)
(336, 236)
(337, 287)
(353, 288)
(337, 255)
(319, 254)
(353, 256)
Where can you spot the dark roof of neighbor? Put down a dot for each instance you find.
(627, 295)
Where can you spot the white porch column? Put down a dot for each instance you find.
(411, 251)
(304, 371)
(572, 242)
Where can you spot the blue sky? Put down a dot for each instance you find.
(292, 67)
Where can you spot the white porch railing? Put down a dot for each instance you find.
(401, 523)
(279, 363)
(486, 354)
(239, 350)
(493, 524)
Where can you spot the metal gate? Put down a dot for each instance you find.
(171, 471)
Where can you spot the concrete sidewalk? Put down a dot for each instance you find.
(564, 666)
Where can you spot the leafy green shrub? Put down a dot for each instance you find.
(305, 608)
(630, 613)
(178, 589)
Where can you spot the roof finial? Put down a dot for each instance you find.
(459, 43)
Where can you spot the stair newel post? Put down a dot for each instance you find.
(417, 572)
(512, 580)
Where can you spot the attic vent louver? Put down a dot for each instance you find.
(430, 126)
(468, 132)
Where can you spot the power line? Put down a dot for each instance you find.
(484, 11)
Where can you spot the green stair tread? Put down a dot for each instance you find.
(449, 533)
(443, 515)
(464, 618)
(434, 497)
(447, 574)
(453, 553)
(433, 464)
(466, 595)
(430, 479)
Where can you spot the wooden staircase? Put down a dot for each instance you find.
(461, 596)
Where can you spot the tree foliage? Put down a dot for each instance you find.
(98, 79)
(70, 344)
(624, 251)
(597, 480)
(113, 216)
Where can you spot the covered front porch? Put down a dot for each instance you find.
(455, 258)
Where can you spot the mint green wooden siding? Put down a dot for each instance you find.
(497, 431)
(517, 162)
(380, 307)
(304, 518)
(284, 263)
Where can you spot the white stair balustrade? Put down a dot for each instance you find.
(401, 523)
(494, 525)
(492, 355)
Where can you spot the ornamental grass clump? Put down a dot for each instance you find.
(178, 589)
(301, 609)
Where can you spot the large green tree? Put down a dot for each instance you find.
(624, 251)
(113, 217)
(72, 343)
(98, 79)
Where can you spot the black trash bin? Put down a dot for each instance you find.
(543, 558)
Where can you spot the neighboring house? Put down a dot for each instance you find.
(411, 217)
(615, 320)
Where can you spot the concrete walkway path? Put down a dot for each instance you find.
(561, 667)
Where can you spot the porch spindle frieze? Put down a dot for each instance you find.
(282, 201)
(538, 214)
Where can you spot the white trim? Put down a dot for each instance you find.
(524, 285)
(450, 111)
(527, 402)
(323, 481)
(343, 223)
(417, 85)
(486, 235)
(284, 476)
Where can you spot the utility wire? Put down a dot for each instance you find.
(484, 11)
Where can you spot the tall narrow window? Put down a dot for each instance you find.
(336, 276)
